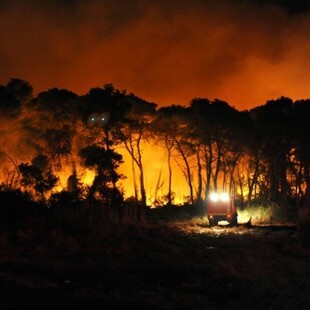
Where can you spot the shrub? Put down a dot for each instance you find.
(16, 206)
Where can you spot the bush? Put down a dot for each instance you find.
(271, 214)
(304, 222)
(16, 206)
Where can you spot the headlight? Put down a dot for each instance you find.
(224, 197)
(214, 196)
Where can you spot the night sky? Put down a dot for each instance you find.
(169, 52)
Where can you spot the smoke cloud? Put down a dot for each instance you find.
(169, 52)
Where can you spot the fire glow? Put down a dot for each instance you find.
(168, 52)
(158, 156)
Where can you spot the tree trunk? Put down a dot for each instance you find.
(252, 183)
(130, 147)
(140, 165)
(208, 161)
(240, 182)
(187, 172)
(199, 176)
(135, 187)
(169, 178)
(224, 178)
(142, 188)
(216, 173)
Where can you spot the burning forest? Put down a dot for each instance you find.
(154, 154)
(109, 147)
(109, 200)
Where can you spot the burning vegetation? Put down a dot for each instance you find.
(116, 151)
(103, 202)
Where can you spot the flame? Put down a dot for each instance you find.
(155, 173)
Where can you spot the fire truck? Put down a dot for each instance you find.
(220, 207)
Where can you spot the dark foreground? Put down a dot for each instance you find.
(179, 266)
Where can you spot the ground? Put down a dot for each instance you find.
(181, 265)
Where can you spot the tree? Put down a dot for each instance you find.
(13, 95)
(135, 130)
(53, 126)
(201, 127)
(21, 90)
(272, 124)
(185, 149)
(105, 163)
(164, 128)
(59, 143)
(103, 113)
(12, 174)
(300, 152)
(216, 130)
(9, 105)
(37, 177)
(56, 106)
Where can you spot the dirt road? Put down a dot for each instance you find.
(184, 265)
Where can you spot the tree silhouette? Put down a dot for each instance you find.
(216, 130)
(260, 156)
(9, 105)
(51, 124)
(37, 179)
(12, 96)
(272, 122)
(105, 163)
(164, 128)
(21, 90)
(134, 131)
(300, 154)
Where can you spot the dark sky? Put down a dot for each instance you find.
(242, 51)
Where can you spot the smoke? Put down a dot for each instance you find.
(169, 52)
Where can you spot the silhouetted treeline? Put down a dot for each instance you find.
(260, 155)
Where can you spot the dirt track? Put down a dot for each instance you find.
(180, 266)
(275, 231)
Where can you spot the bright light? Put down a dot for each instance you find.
(224, 197)
(214, 197)
(221, 197)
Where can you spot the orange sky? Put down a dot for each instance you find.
(168, 52)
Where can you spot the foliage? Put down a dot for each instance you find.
(15, 207)
(104, 162)
(36, 179)
(260, 156)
